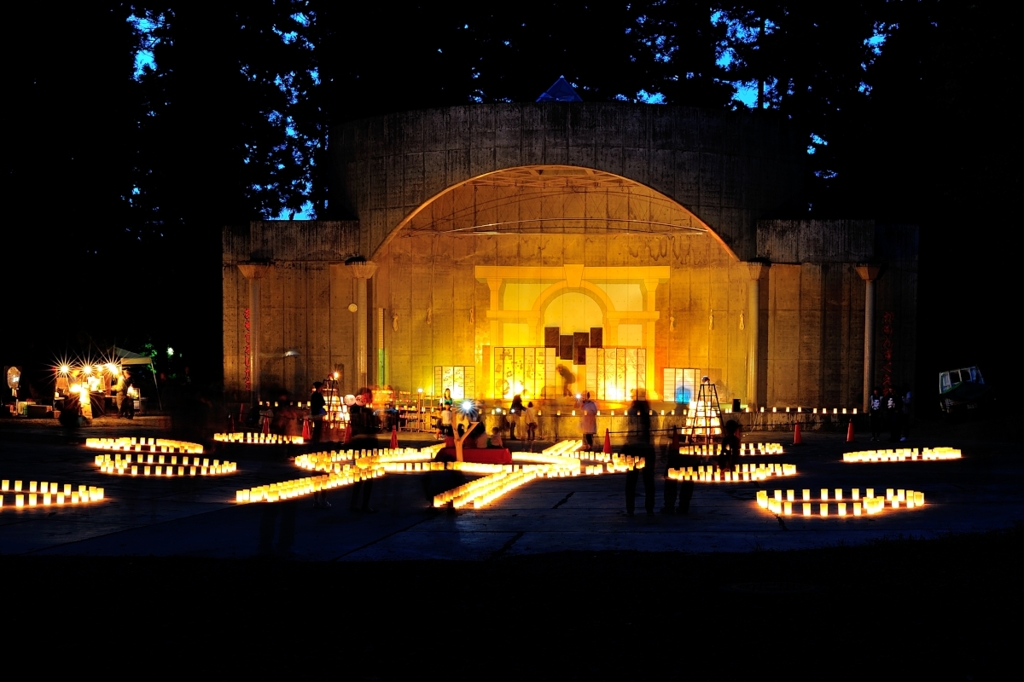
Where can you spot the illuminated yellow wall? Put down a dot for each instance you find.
(429, 277)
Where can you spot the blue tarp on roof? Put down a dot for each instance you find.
(561, 91)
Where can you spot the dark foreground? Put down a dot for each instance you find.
(947, 608)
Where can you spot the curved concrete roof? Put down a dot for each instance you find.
(727, 168)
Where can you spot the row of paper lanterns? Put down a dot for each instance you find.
(484, 490)
(251, 438)
(117, 460)
(144, 445)
(746, 449)
(903, 455)
(870, 503)
(747, 472)
(275, 492)
(48, 493)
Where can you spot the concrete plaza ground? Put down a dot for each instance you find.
(199, 518)
(551, 581)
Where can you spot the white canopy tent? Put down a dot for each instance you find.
(129, 359)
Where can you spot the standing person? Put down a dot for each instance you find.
(638, 444)
(907, 396)
(127, 407)
(119, 389)
(729, 453)
(446, 422)
(363, 423)
(673, 489)
(894, 413)
(588, 422)
(530, 417)
(515, 415)
(446, 403)
(317, 411)
(875, 412)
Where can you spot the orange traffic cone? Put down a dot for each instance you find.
(849, 433)
(607, 442)
(394, 437)
(797, 440)
(306, 434)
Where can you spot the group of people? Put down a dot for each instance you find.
(889, 410)
(520, 418)
(639, 443)
(363, 427)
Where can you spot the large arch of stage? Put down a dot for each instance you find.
(542, 280)
(535, 249)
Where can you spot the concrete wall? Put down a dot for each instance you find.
(816, 306)
(815, 335)
(409, 180)
(435, 309)
(435, 273)
(729, 169)
(896, 247)
(303, 297)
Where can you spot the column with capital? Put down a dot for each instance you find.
(868, 273)
(756, 270)
(651, 288)
(254, 273)
(361, 271)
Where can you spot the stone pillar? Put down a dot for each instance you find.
(254, 272)
(651, 287)
(362, 271)
(868, 273)
(756, 271)
(494, 285)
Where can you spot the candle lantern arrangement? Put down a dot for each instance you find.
(484, 490)
(249, 438)
(785, 503)
(743, 472)
(161, 465)
(31, 494)
(904, 455)
(155, 445)
(341, 468)
(336, 460)
(285, 490)
(746, 449)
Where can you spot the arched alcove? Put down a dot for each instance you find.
(515, 259)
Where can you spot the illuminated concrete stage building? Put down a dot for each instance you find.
(511, 248)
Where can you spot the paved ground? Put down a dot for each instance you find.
(198, 517)
(550, 582)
